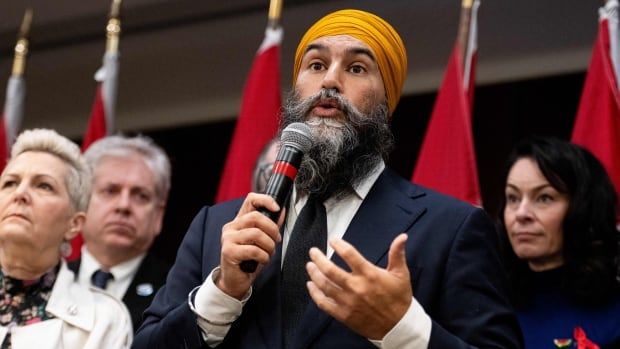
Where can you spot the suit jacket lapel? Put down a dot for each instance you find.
(149, 277)
(388, 210)
(146, 273)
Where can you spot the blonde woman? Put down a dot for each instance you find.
(44, 191)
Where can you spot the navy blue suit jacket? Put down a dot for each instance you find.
(451, 253)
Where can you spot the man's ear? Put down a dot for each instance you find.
(75, 225)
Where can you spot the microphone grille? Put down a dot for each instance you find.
(297, 135)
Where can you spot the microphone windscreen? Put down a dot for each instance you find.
(297, 135)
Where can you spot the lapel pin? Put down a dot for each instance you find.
(562, 342)
(144, 290)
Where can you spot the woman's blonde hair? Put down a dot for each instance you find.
(78, 181)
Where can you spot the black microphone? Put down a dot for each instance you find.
(295, 141)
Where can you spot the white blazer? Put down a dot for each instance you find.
(85, 318)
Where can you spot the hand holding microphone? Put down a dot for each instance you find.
(294, 142)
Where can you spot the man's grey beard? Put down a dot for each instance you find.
(343, 154)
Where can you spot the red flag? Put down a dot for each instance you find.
(101, 119)
(597, 125)
(96, 128)
(447, 160)
(12, 116)
(258, 118)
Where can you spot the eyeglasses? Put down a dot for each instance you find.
(262, 175)
(264, 171)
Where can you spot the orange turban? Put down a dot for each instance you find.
(375, 32)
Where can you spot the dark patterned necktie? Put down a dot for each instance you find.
(100, 278)
(310, 230)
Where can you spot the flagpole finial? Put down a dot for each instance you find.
(467, 3)
(275, 11)
(21, 47)
(113, 28)
(464, 24)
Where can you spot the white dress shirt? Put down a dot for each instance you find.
(123, 273)
(217, 311)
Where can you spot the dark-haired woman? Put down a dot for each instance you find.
(560, 245)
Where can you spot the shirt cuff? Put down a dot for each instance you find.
(215, 309)
(413, 331)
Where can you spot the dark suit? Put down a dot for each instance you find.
(152, 271)
(451, 253)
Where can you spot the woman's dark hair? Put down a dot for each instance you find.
(591, 250)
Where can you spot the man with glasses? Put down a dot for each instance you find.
(264, 165)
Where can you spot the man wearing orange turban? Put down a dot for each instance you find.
(405, 267)
(377, 34)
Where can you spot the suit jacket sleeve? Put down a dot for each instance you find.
(169, 321)
(472, 303)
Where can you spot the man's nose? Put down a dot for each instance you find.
(333, 78)
(123, 202)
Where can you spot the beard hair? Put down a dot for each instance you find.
(343, 153)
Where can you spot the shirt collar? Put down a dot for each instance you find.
(89, 265)
(361, 189)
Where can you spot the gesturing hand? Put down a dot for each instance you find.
(250, 236)
(369, 300)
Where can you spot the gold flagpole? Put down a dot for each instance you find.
(275, 11)
(21, 48)
(463, 33)
(113, 29)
